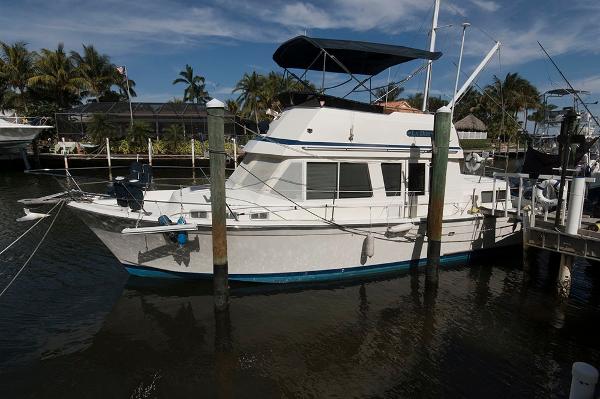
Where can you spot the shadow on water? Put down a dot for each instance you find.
(75, 326)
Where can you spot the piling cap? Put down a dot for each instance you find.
(444, 108)
(585, 372)
(214, 103)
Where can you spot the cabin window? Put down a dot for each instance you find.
(355, 181)
(254, 173)
(392, 177)
(290, 182)
(199, 214)
(416, 178)
(321, 180)
(257, 216)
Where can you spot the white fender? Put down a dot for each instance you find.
(472, 161)
(31, 216)
(399, 229)
(370, 245)
(540, 196)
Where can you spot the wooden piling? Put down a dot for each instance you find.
(234, 141)
(193, 154)
(65, 154)
(108, 159)
(439, 162)
(216, 143)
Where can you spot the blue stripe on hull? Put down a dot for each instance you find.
(296, 277)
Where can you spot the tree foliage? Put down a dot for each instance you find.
(390, 92)
(195, 90)
(41, 83)
(259, 93)
(100, 127)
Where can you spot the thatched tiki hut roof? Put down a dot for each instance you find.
(470, 123)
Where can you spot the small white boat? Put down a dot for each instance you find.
(17, 136)
(336, 189)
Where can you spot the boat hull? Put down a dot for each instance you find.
(301, 254)
(13, 139)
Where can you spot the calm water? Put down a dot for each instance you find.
(74, 325)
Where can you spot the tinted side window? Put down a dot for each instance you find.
(355, 181)
(416, 178)
(321, 180)
(392, 175)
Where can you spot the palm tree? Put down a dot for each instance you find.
(100, 127)
(96, 70)
(174, 135)
(195, 90)
(17, 68)
(233, 107)
(540, 114)
(390, 92)
(433, 103)
(138, 133)
(250, 87)
(470, 103)
(508, 97)
(55, 74)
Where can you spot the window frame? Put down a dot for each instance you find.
(422, 192)
(337, 188)
(400, 185)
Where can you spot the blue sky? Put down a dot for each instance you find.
(223, 39)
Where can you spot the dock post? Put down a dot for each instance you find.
(567, 127)
(216, 143)
(439, 161)
(575, 208)
(149, 151)
(525, 224)
(108, 159)
(65, 154)
(584, 380)
(193, 154)
(234, 152)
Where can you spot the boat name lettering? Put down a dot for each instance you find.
(419, 133)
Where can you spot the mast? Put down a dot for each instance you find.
(434, 21)
(465, 25)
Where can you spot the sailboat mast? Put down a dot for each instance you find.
(434, 22)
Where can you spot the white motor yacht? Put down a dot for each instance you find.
(336, 189)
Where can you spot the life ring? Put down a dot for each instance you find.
(540, 190)
(473, 161)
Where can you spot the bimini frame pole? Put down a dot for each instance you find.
(434, 22)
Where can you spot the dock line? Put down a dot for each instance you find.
(62, 203)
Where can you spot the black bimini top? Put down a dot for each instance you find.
(565, 92)
(360, 58)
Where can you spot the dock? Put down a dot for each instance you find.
(574, 235)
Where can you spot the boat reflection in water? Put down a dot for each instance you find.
(483, 332)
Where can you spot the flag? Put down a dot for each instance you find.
(123, 71)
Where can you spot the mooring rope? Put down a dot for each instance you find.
(34, 250)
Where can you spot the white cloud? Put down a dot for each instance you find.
(486, 5)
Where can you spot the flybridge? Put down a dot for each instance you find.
(345, 56)
(351, 57)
